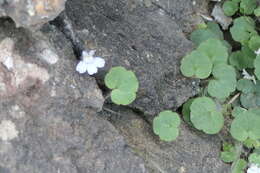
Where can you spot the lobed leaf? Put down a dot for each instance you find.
(239, 166)
(224, 75)
(246, 125)
(166, 125)
(215, 50)
(204, 115)
(211, 31)
(124, 85)
(230, 8)
(196, 64)
(250, 98)
(247, 6)
(242, 29)
(257, 12)
(242, 59)
(254, 42)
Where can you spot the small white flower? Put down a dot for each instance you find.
(90, 63)
(253, 169)
(248, 76)
(257, 52)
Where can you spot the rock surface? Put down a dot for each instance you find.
(31, 13)
(147, 40)
(48, 120)
(192, 152)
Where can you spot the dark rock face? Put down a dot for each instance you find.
(30, 13)
(48, 120)
(146, 40)
(190, 153)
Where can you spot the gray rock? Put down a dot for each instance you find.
(220, 17)
(48, 120)
(191, 152)
(30, 13)
(148, 41)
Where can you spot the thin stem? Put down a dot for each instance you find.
(111, 111)
(233, 98)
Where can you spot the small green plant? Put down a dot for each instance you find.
(124, 85)
(231, 84)
(166, 125)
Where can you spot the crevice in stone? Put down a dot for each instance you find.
(63, 23)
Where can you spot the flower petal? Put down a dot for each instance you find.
(92, 69)
(99, 62)
(91, 52)
(81, 67)
(84, 53)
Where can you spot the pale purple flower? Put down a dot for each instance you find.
(89, 63)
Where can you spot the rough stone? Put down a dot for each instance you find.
(48, 120)
(31, 13)
(220, 17)
(191, 152)
(149, 41)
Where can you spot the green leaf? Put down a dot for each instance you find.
(254, 42)
(242, 59)
(247, 6)
(237, 110)
(257, 66)
(237, 1)
(120, 78)
(204, 115)
(239, 166)
(251, 99)
(124, 85)
(257, 12)
(120, 97)
(166, 125)
(215, 50)
(224, 75)
(242, 29)
(230, 8)
(246, 125)
(251, 143)
(254, 158)
(245, 85)
(229, 154)
(196, 64)
(211, 31)
(186, 111)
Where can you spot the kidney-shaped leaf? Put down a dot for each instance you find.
(215, 50)
(196, 64)
(246, 125)
(166, 125)
(204, 115)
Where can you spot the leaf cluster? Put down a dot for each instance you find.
(246, 7)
